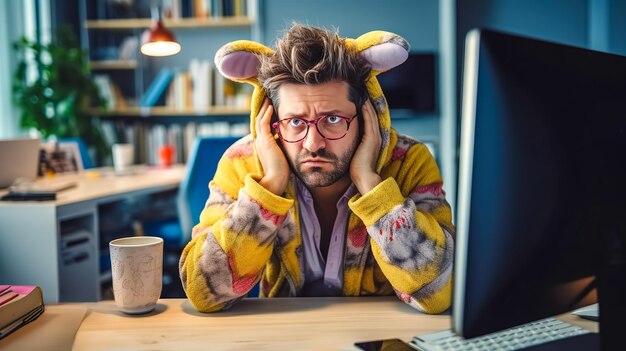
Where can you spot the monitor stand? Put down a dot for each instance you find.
(612, 286)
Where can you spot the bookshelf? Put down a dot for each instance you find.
(113, 44)
(150, 102)
(142, 23)
(113, 64)
(163, 111)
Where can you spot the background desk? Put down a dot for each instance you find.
(56, 244)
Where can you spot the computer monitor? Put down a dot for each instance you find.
(19, 158)
(542, 184)
(411, 86)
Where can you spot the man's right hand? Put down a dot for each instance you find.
(275, 167)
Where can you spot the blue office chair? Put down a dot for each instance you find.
(194, 191)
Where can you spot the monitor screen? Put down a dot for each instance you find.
(411, 86)
(26, 151)
(541, 179)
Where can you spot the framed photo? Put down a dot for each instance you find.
(60, 158)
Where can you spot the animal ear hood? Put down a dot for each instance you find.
(239, 61)
(383, 50)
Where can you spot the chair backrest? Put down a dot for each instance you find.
(194, 190)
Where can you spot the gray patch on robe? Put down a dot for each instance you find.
(216, 271)
(245, 219)
(217, 197)
(445, 270)
(401, 241)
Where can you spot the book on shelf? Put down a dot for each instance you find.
(190, 133)
(159, 138)
(219, 98)
(250, 8)
(105, 88)
(140, 142)
(235, 8)
(129, 48)
(217, 7)
(175, 137)
(157, 87)
(179, 92)
(107, 131)
(201, 81)
(171, 9)
(202, 8)
(19, 305)
(227, 7)
(109, 92)
(201, 87)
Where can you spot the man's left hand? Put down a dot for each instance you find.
(363, 164)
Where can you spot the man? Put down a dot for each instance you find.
(323, 198)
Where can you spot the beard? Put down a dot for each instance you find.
(315, 177)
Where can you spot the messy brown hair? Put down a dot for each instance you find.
(311, 55)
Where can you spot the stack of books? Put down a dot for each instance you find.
(19, 305)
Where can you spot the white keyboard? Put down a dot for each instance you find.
(527, 335)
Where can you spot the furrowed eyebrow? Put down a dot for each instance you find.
(323, 113)
(332, 112)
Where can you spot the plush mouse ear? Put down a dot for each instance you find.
(238, 60)
(383, 50)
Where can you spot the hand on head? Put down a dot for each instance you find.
(363, 164)
(276, 170)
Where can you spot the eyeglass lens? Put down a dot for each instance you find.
(330, 127)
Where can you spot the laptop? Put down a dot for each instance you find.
(19, 158)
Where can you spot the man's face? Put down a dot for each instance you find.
(317, 161)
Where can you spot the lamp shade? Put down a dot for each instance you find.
(158, 41)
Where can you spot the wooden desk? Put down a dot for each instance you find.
(38, 239)
(252, 324)
(255, 324)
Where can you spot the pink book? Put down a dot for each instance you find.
(19, 304)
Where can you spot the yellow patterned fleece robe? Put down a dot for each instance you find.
(399, 236)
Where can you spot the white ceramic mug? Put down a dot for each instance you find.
(137, 269)
(123, 157)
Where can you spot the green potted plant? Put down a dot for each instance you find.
(56, 101)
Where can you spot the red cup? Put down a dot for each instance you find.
(166, 155)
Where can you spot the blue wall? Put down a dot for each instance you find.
(416, 20)
(564, 21)
(617, 26)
